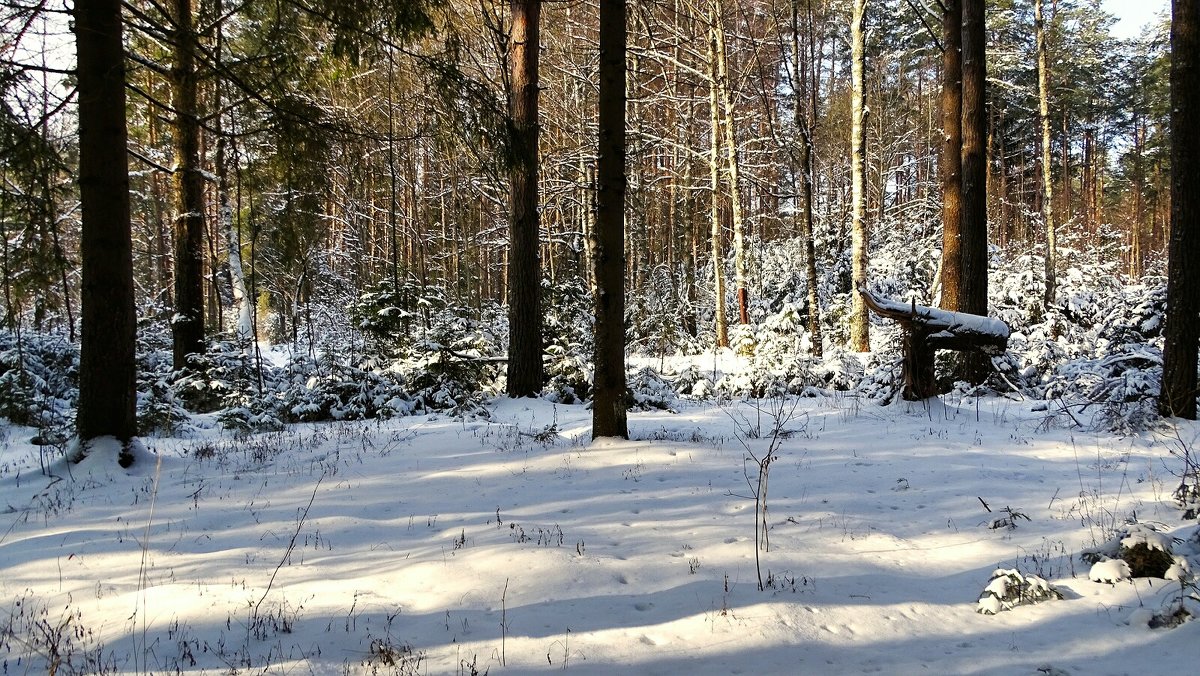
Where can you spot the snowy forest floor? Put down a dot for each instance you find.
(515, 544)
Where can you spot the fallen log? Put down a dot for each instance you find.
(928, 329)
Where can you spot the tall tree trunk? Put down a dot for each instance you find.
(860, 339)
(974, 177)
(187, 326)
(950, 164)
(714, 175)
(525, 370)
(107, 370)
(609, 408)
(806, 79)
(731, 156)
(244, 328)
(1047, 178)
(1182, 329)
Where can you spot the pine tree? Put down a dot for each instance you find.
(609, 414)
(974, 177)
(187, 326)
(107, 371)
(525, 370)
(1182, 329)
(950, 161)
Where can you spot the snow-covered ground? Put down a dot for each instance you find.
(514, 545)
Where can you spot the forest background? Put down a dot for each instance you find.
(338, 179)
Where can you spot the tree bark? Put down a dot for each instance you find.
(525, 370)
(714, 175)
(974, 177)
(860, 340)
(950, 165)
(1047, 177)
(733, 165)
(187, 326)
(244, 328)
(1182, 328)
(609, 410)
(806, 82)
(107, 370)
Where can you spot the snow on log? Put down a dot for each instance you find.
(944, 330)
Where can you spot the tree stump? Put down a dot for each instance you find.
(927, 330)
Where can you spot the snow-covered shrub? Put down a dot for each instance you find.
(567, 319)
(567, 340)
(39, 379)
(1008, 588)
(570, 377)
(1136, 550)
(693, 384)
(159, 411)
(658, 317)
(840, 369)
(649, 391)
(333, 388)
(254, 414)
(211, 380)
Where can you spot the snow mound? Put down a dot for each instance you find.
(1109, 570)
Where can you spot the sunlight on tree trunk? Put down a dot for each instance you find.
(860, 339)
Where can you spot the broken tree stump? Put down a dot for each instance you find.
(928, 329)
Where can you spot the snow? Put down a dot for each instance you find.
(1111, 571)
(516, 544)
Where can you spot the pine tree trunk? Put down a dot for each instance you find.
(1047, 178)
(107, 388)
(860, 340)
(525, 370)
(187, 326)
(609, 397)
(974, 183)
(950, 162)
(1182, 329)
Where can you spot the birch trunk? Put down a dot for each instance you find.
(1047, 179)
(714, 175)
(731, 156)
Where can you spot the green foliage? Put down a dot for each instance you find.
(385, 316)
(39, 380)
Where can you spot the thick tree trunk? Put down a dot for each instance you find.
(950, 163)
(609, 397)
(860, 340)
(974, 179)
(1182, 329)
(1047, 177)
(525, 370)
(107, 389)
(187, 326)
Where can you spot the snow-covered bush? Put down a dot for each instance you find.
(650, 391)
(384, 316)
(1136, 550)
(39, 379)
(693, 384)
(1008, 588)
